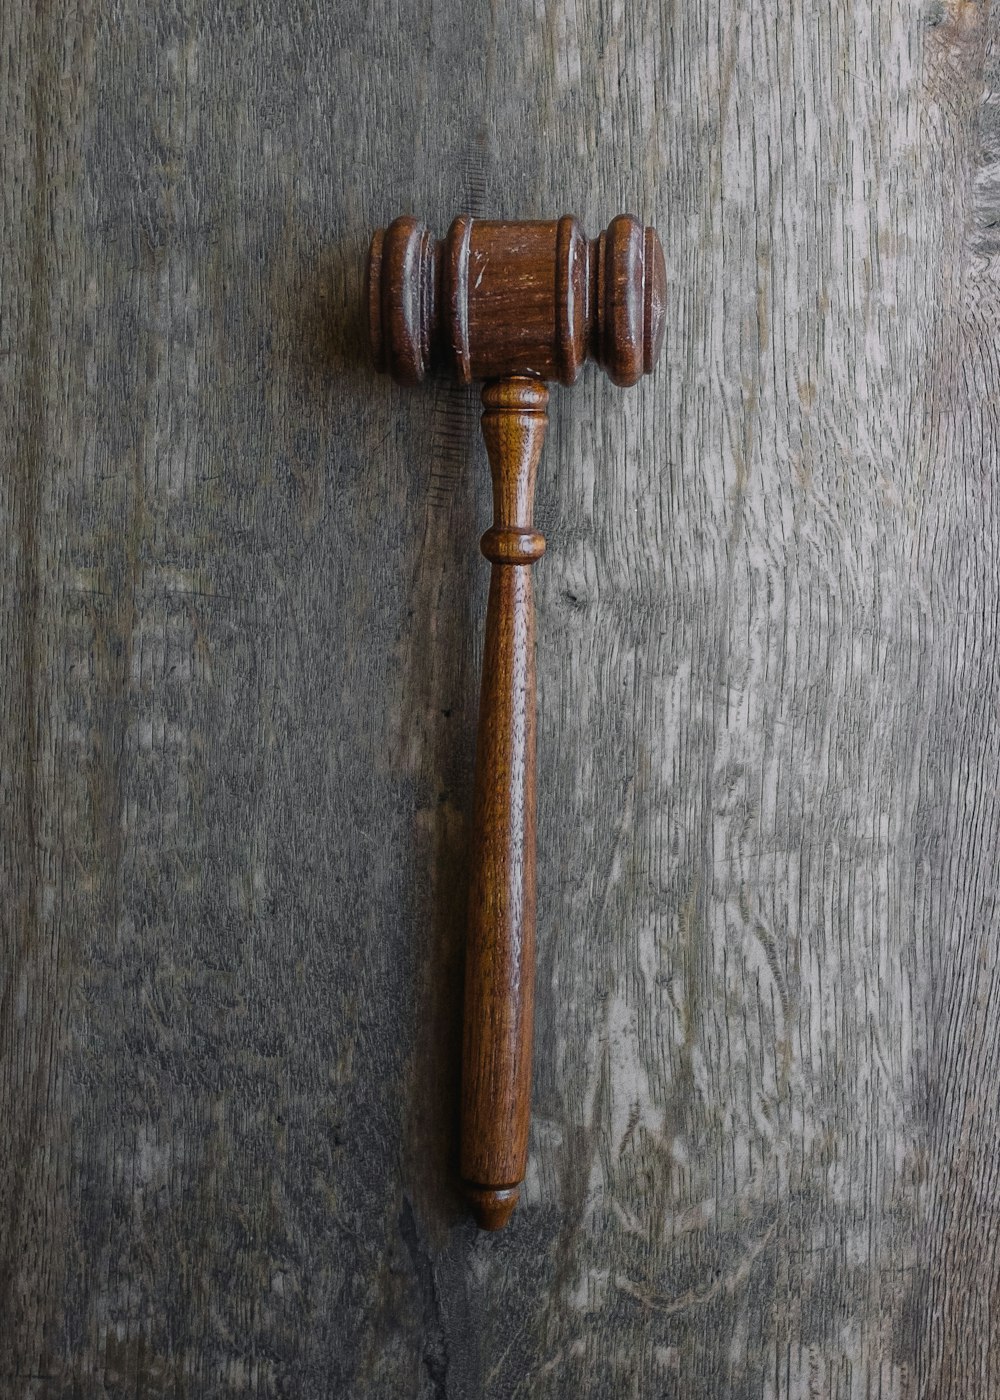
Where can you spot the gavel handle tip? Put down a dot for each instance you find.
(491, 1205)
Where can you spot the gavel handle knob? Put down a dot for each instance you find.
(500, 952)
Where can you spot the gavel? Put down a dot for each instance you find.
(514, 304)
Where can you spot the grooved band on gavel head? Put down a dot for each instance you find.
(495, 299)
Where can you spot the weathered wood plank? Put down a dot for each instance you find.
(957, 811)
(238, 679)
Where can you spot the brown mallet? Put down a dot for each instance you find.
(515, 304)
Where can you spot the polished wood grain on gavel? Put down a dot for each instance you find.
(515, 304)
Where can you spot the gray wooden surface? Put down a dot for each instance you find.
(241, 608)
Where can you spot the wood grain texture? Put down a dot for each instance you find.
(500, 938)
(238, 687)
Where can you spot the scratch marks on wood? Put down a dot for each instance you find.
(722, 1283)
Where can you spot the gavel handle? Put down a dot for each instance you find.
(500, 952)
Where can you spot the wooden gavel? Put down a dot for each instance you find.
(514, 304)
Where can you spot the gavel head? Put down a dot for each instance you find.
(494, 299)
